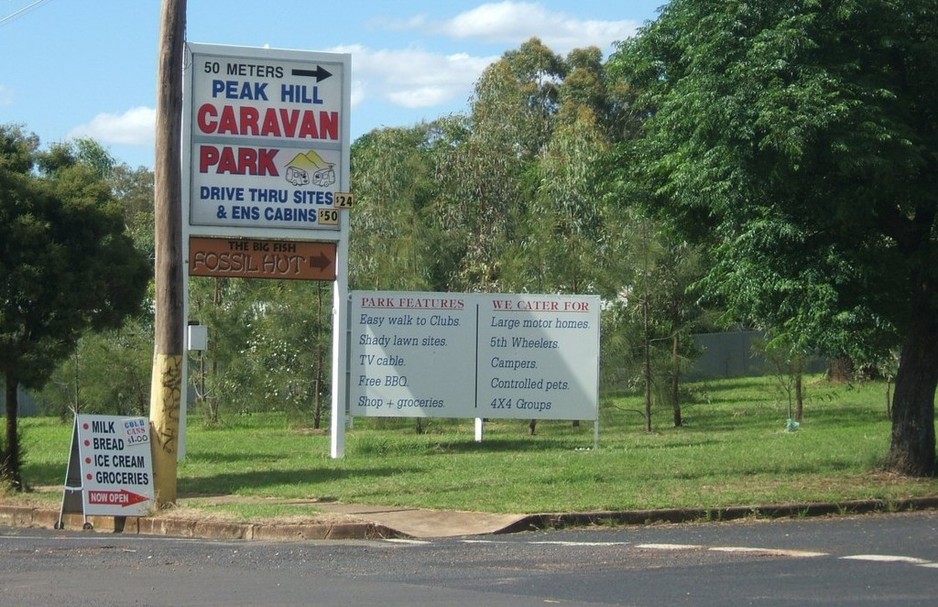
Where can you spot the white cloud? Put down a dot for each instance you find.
(412, 78)
(514, 22)
(420, 97)
(397, 24)
(6, 96)
(136, 126)
(358, 93)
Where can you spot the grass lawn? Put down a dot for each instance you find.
(733, 450)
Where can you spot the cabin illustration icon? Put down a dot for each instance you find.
(310, 168)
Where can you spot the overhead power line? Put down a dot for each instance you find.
(19, 13)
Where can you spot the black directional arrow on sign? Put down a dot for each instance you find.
(320, 73)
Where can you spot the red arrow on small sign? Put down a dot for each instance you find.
(116, 498)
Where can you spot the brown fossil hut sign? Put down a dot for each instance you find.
(248, 258)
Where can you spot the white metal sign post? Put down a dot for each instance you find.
(266, 158)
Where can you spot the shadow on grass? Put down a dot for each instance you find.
(759, 474)
(44, 474)
(230, 483)
(845, 416)
(209, 458)
(531, 443)
(648, 446)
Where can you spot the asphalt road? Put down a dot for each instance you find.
(867, 560)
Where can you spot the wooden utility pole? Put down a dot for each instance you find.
(167, 381)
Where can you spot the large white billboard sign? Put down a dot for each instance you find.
(474, 355)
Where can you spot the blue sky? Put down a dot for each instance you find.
(87, 68)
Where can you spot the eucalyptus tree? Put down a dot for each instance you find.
(109, 372)
(563, 250)
(798, 139)
(392, 175)
(289, 346)
(227, 375)
(134, 189)
(492, 172)
(652, 314)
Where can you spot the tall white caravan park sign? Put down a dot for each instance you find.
(266, 159)
(268, 140)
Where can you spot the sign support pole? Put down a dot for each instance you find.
(339, 349)
(340, 300)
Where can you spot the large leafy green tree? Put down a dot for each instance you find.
(65, 262)
(800, 139)
(109, 372)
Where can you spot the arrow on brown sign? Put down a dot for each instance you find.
(320, 261)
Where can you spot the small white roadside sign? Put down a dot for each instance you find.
(116, 465)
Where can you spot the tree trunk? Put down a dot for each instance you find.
(912, 450)
(676, 382)
(10, 463)
(799, 394)
(213, 352)
(646, 366)
(889, 398)
(77, 386)
(840, 370)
